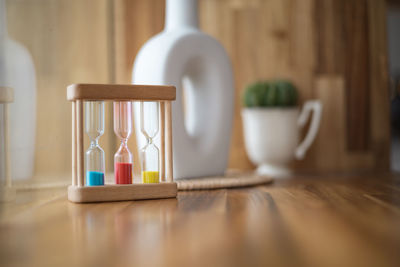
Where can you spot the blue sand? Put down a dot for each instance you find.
(94, 178)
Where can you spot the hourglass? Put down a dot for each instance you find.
(94, 128)
(157, 165)
(123, 129)
(149, 154)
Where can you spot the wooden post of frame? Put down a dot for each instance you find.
(80, 149)
(78, 93)
(168, 141)
(162, 141)
(74, 172)
(7, 193)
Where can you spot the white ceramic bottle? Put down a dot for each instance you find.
(183, 56)
(17, 71)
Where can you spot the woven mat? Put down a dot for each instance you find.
(227, 181)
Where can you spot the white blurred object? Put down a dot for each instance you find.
(183, 56)
(272, 136)
(17, 71)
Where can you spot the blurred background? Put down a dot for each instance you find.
(345, 53)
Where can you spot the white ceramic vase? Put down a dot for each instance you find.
(17, 71)
(183, 56)
(272, 136)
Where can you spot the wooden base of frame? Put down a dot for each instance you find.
(105, 193)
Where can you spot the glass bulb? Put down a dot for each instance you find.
(94, 156)
(123, 160)
(149, 154)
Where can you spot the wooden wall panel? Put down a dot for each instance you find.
(331, 143)
(311, 42)
(379, 84)
(68, 41)
(342, 48)
(356, 73)
(265, 40)
(302, 40)
(347, 51)
(330, 90)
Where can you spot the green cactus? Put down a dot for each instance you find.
(255, 94)
(287, 93)
(278, 93)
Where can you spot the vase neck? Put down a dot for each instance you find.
(181, 14)
(3, 19)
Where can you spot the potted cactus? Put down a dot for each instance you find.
(271, 123)
(279, 93)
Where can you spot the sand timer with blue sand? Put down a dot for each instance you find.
(94, 128)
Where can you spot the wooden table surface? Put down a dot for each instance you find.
(302, 221)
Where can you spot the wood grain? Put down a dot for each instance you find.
(106, 193)
(68, 41)
(303, 221)
(162, 141)
(356, 72)
(380, 119)
(297, 40)
(121, 92)
(74, 144)
(342, 47)
(169, 163)
(292, 39)
(330, 89)
(79, 143)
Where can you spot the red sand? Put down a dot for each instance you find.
(123, 173)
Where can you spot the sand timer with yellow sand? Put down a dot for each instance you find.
(149, 154)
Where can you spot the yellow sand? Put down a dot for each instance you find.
(150, 177)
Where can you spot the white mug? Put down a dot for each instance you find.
(272, 135)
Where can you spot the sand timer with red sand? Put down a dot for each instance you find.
(123, 159)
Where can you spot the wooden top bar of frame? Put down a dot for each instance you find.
(121, 92)
(6, 95)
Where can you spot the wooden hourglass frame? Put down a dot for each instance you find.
(77, 94)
